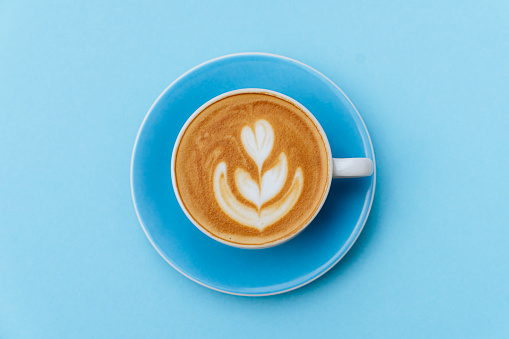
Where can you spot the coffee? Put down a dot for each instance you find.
(252, 169)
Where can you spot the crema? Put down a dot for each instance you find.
(252, 168)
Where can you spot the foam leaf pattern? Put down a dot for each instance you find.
(258, 145)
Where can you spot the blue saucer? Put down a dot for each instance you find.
(239, 271)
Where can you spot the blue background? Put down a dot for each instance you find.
(431, 80)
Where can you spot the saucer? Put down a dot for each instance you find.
(242, 271)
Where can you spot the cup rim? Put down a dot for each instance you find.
(243, 91)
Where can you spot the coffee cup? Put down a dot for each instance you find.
(251, 168)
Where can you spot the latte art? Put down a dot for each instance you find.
(258, 145)
(251, 169)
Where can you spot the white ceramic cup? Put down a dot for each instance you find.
(339, 167)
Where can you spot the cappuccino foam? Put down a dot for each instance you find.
(252, 169)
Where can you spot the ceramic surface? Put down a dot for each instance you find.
(239, 271)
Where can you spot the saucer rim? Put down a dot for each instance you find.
(149, 237)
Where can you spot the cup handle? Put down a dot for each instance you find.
(351, 167)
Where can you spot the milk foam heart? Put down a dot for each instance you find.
(258, 144)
